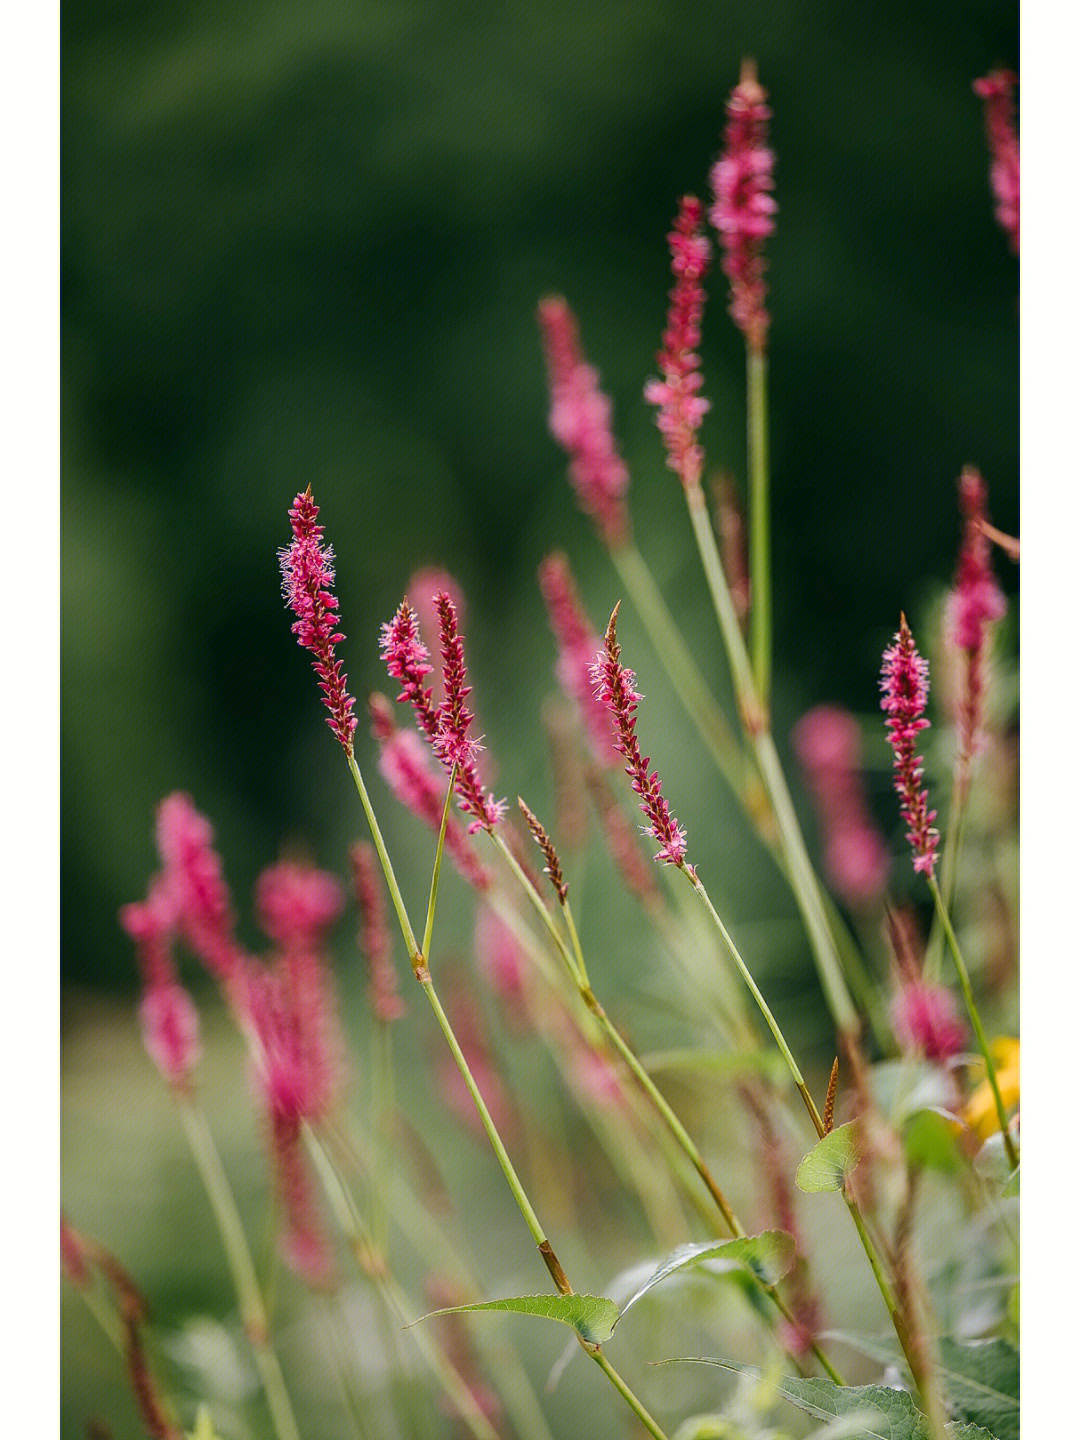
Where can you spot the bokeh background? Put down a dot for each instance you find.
(304, 244)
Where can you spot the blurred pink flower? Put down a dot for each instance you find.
(500, 958)
(925, 1018)
(374, 937)
(578, 643)
(196, 882)
(296, 904)
(974, 604)
(996, 91)
(167, 1015)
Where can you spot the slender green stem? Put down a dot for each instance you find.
(760, 551)
(348, 1217)
(949, 857)
(976, 1021)
(627, 1394)
(105, 1316)
(433, 893)
(384, 860)
(682, 669)
(537, 902)
(575, 941)
(241, 1265)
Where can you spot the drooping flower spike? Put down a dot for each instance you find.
(743, 207)
(580, 421)
(996, 92)
(681, 408)
(615, 686)
(307, 576)
(905, 686)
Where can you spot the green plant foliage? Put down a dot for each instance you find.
(204, 1426)
(830, 1162)
(592, 1316)
(930, 1141)
(983, 1383)
(769, 1256)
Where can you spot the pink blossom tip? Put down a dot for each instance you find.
(195, 879)
(307, 575)
(453, 745)
(680, 406)
(296, 905)
(615, 687)
(905, 686)
(743, 207)
(996, 90)
(580, 420)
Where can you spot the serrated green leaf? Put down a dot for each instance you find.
(830, 1162)
(592, 1316)
(769, 1256)
(930, 1140)
(885, 1414)
(983, 1384)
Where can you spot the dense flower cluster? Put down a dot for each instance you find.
(996, 91)
(905, 686)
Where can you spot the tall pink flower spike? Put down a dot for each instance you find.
(974, 603)
(996, 92)
(615, 686)
(307, 575)
(905, 686)
(681, 408)
(580, 420)
(167, 1014)
(743, 207)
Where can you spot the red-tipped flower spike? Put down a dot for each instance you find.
(743, 208)
(580, 421)
(405, 765)
(196, 882)
(827, 743)
(578, 643)
(374, 937)
(453, 746)
(996, 91)
(681, 407)
(408, 659)
(905, 686)
(615, 687)
(974, 604)
(307, 575)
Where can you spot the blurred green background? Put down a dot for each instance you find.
(304, 244)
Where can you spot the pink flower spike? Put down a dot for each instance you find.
(296, 905)
(905, 686)
(307, 576)
(973, 605)
(453, 745)
(374, 938)
(996, 91)
(405, 765)
(924, 1017)
(580, 420)
(429, 582)
(193, 872)
(170, 1028)
(681, 407)
(615, 687)
(408, 660)
(743, 208)
(578, 643)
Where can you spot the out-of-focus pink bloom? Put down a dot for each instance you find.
(677, 394)
(194, 875)
(743, 207)
(167, 1015)
(596, 1078)
(905, 686)
(622, 841)
(615, 687)
(405, 764)
(828, 744)
(580, 420)
(500, 958)
(925, 1018)
(307, 573)
(996, 92)
(466, 1018)
(304, 1244)
(578, 643)
(297, 904)
(374, 937)
(974, 603)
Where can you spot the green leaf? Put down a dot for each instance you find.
(930, 1140)
(769, 1256)
(830, 1162)
(884, 1413)
(592, 1316)
(983, 1384)
(204, 1425)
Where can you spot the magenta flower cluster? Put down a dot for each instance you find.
(743, 207)
(905, 685)
(681, 407)
(580, 420)
(924, 1017)
(578, 643)
(615, 687)
(996, 92)
(307, 575)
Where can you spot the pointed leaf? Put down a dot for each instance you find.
(830, 1162)
(885, 1414)
(592, 1316)
(983, 1383)
(768, 1256)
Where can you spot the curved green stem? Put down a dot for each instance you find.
(760, 552)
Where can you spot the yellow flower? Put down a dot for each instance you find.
(980, 1113)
